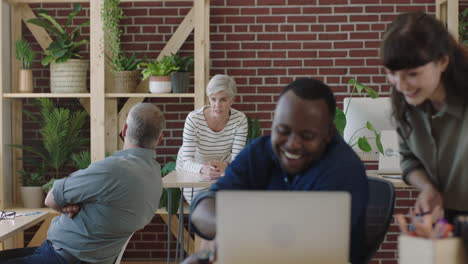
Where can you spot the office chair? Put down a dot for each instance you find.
(378, 216)
(119, 258)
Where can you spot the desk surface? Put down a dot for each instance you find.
(9, 227)
(397, 183)
(181, 179)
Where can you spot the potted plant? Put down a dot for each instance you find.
(32, 194)
(463, 27)
(68, 73)
(124, 66)
(175, 193)
(340, 120)
(253, 129)
(60, 129)
(159, 73)
(181, 77)
(25, 55)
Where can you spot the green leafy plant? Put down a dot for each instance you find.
(463, 26)
(164, 67)
(112, 14)
(340, 120)
(253, 130)
(125, 63)
(48, 186)
(176, 194)
(82, 160)
(65, 45)
(24, 53)
(185, 64)
(60, 131)
(33, 178)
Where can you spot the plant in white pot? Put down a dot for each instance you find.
(159, 73)
(32, 193)
(181, 77)
(340, 121)
(25, 55)
(68, 73)
(124, 66)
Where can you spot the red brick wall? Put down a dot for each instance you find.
(263, 44)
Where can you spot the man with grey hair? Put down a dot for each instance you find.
(104, 204)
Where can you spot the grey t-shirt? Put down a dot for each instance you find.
(117, 195)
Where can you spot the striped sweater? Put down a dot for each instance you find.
(201, 144)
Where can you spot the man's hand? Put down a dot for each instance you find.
(71, 209)
(201, 257)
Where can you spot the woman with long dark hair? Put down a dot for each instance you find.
(429, 73)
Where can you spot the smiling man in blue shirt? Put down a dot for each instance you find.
(304, 153)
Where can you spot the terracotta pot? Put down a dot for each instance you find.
(33, 197)
(160, 84)
(25, 81)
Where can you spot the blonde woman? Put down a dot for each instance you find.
(214, 134)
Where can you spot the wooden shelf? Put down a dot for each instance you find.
(46, 95)
(165, 95)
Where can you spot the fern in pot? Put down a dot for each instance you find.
(124, 66)
(159, 72)
(32, 179)
(68, 73)
(25, 55)
(60, 129)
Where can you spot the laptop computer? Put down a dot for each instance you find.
(283, 227)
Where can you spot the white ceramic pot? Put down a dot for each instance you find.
(33, 197)
(160, 84)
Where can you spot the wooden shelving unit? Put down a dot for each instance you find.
(105, 120)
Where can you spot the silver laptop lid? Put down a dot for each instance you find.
(283, 227)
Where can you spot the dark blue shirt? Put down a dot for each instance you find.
(339, 168)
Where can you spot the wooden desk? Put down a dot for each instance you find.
(178, 179)
(397, 183)
(11, 230)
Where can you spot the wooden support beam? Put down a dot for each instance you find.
(17, 106)
(40, 34)
(3, 175)
(202, 54)
(112, 131)
(41, 234)
(98, 135)
(172, 46)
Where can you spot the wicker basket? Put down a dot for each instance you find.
(69, 76)
(125, 82)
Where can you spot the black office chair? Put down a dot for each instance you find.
(379, 215)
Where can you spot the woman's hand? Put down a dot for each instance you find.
(430, 201)
(210, 172)
(219, 165)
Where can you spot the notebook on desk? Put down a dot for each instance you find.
(283, 227)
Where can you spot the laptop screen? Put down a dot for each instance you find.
(283, 227)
